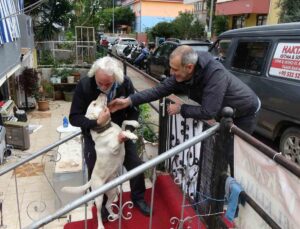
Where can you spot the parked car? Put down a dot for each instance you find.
(158, 62)
(120, 44)
(267, 58)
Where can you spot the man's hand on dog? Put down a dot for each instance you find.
(119, 104)
(104, 117)
(122, 138)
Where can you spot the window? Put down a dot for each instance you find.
(261, 19)
(249, 57)
(199, 6)
(164, 50)
(219, 51)
(238, 22)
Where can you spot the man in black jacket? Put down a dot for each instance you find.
(205, 81)
(105, 76)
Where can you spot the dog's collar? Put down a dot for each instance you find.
(100, 129)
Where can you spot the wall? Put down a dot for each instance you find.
(273, 13)
(148, 13)
(26, 30)
(9, 56)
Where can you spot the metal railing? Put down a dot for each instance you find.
(125, 177)
(39, 153)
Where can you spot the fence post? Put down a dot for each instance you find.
(124, 68)
(222, 158)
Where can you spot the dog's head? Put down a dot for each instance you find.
(96, 106)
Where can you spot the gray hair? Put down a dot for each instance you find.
(110, 66)
(186, 53)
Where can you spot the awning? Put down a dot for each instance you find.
(242, 7)
(9, 25)
(9, 74)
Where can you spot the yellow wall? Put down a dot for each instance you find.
(165, 9)
(273, 13)
(251, 20)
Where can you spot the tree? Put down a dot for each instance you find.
(183, 23)
(163, 29)
(187, 26)
(289, 11)
(196, 30)
(220, 24)
(49, 17)
(122, 16)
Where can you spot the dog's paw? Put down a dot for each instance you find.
(129, 135)
(113, 217)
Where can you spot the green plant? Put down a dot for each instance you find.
(62, 73)
(147, 127)
(45, 58)
(46, 90)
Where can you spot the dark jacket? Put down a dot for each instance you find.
(212, 86)
(86, 91)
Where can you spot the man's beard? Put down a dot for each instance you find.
(107, 90)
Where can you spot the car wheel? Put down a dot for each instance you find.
(290, 144)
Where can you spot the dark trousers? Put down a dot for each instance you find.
(247, 124)
(132, 160)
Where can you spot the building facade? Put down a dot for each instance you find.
(150, 12)
(245, 13)
(199, 9)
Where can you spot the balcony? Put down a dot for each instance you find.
(242, 7)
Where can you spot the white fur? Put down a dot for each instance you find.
(110, 157)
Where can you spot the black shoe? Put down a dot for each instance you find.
(142, 206)
(104, 214)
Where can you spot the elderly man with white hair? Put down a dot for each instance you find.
(106, 76)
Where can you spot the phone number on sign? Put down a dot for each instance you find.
(289, 74)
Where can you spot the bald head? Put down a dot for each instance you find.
(186, 55)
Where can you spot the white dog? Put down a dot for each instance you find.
(110, 156)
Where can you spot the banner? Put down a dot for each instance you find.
(273, 188)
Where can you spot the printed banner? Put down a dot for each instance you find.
(273, 187)
(286, 61)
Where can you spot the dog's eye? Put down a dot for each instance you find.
(94, 104)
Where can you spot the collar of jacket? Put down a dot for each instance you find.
(101, 129)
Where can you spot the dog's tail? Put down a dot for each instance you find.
(78, 189)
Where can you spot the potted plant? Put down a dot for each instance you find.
(45, 90)
(76, 74)
(28, 81)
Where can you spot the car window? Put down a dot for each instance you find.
(158, 51)
(200, 47)
(127, 41)
(220, 48)
(249, 56)
(167, 50)
(111, 39)
(286, 61)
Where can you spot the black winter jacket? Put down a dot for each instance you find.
(86, 91)
(212, 86)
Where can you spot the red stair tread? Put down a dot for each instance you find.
(167, 204)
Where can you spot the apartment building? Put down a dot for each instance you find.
(245, 13)
(150, 12)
